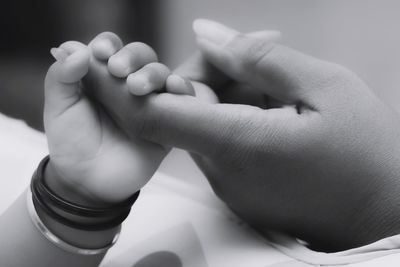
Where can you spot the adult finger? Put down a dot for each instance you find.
(197, 68)
(198, 126)
(278, 71)
(211, 82)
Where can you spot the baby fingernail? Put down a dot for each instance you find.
(59, 54)
(138, 84)
(177, 79)
(103, 48)
(213, 31)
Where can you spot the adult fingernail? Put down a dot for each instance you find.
(213, 31)
(269, 35)
(59, 54)
(177, 79)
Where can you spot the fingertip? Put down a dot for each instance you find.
(72, 62)
(138, 84)
(62, 81)
(103, 49)
(213, 31)
(148, 79)
(118, 66)
(58, 53)
(65, 49)
(105, 45)
(72, 46)
(176, 84)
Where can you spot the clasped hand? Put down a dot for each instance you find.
(287, 141)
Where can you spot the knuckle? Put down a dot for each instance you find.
(339, 77)
(157, 67)
(142, 49)
(157, 73)
(161, 66)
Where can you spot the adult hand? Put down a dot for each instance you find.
(314, 153)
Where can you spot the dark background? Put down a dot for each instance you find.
(29, 28)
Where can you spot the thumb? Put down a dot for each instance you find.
(277, 71)
(62, 83)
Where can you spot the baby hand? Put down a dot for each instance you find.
(92, 159)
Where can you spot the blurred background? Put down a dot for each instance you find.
(362, 35)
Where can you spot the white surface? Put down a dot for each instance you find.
(21, 150)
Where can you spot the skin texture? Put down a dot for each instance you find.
(296, 143)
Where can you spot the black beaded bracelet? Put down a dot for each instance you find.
(105, 218)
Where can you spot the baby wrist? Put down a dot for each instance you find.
(71, 239)
(76, 223)
(68, 191)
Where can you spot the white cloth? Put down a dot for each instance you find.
(176, 224)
